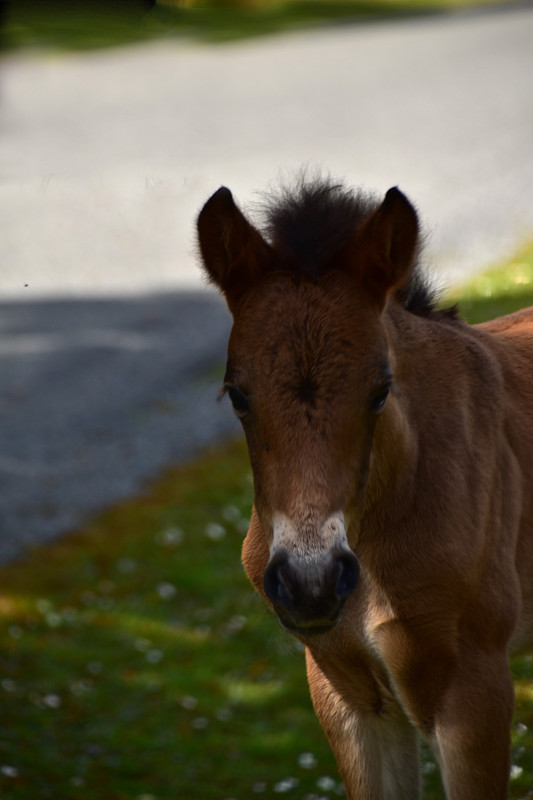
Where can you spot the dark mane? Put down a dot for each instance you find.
(310, 224)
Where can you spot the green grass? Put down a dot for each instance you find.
(499, 290)
(65, 24)
(136, 662)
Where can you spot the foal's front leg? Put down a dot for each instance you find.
(375, 745)
(472, 729)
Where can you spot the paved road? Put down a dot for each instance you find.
(108, 342)
(96, 397)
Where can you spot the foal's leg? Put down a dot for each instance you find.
(375, 745)
(472, 730)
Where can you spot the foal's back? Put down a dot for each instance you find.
(510, 338)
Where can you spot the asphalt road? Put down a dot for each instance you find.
(110, 346)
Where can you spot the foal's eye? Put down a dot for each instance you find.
(239, 401)
(380, 398)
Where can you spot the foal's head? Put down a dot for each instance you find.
(308, 373)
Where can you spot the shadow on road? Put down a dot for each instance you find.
(96, 397)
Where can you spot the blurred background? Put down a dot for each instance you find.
(109, 151)
(119, 119)
(134, 661)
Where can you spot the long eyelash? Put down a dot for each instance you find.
(222, 392)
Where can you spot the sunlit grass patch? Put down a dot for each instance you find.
(64, 24)
(137, 663)
(498, 291)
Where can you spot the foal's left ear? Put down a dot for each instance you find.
(387, 245)
(233, 252)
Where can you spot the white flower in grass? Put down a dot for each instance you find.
(9, 771)
(52, 701)
(166, 590)
(326, 783)
(53, 619)
(235, 624)
(189, 702)
(285, 785)
(215, 531)
(154, 656)
(170, 537)
(307, 761)
(231, 513)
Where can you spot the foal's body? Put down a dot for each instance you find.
(429, 487)
(424, 636)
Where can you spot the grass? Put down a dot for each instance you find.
(136, 663)
(499, 290)
(65, 24)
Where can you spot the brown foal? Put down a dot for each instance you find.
(392, 452)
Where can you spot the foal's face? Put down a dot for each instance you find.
(308, 376)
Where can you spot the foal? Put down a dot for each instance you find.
(392, 452)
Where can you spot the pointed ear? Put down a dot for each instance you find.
(233, 252)
(387, 245)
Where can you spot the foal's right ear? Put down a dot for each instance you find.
(233, 252)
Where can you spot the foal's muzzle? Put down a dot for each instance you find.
(308, 593)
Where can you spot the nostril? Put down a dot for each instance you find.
(347, 568)
(276, 581)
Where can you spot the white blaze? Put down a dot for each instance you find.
(307, 541)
